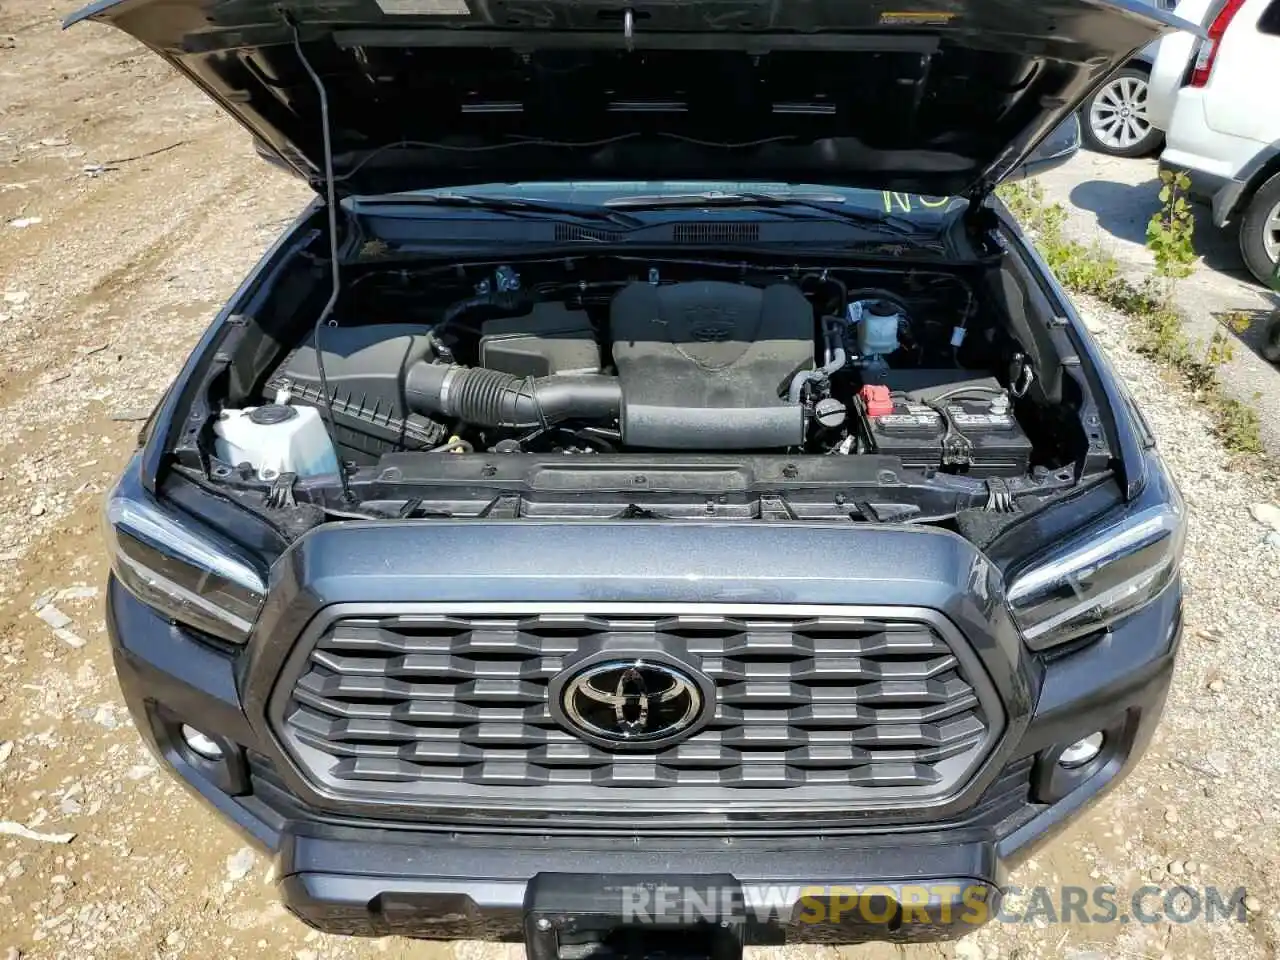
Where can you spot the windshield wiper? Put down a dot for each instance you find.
(518, 206)
(827, 205)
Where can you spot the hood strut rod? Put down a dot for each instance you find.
(331, 205)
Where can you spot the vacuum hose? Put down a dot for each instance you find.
(833, 352)
(491, 398)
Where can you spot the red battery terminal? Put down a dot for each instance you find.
(876, 400)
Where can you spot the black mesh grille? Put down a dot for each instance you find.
(715, 232)
(572, 231)
(880, 707)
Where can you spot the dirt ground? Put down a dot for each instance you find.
(129, 211)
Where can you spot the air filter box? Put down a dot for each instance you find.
(365, 369)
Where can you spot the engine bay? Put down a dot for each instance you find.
(823, 376)
(770, 364)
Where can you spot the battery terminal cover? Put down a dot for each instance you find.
(876, 400)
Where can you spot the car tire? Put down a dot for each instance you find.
(1260, 231)
(1271, 340)
(1114, 120)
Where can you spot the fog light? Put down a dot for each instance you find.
(206, 747)
(1081, 752)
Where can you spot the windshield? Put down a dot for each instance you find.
(925, 212)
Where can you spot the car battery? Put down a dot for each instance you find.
(969, 434)
(898, 427)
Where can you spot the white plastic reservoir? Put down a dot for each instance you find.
(877, 322)
(276, 438)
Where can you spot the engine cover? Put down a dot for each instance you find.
(707, 365)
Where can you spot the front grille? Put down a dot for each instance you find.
(827, 706)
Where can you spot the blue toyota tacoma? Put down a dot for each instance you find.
(655, 480)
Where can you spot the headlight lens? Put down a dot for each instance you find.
(181, 568)
(1094, 581)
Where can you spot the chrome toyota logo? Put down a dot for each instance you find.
(637, 701)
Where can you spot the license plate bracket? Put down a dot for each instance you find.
(589, 916)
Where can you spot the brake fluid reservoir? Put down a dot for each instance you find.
(275, 439)
(877, 326)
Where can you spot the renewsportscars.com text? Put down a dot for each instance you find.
(924, 903)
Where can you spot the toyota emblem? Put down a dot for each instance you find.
(635, 701)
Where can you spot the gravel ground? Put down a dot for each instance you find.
(150, 209)
(1108, 201)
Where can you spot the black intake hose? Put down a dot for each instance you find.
(491, 398)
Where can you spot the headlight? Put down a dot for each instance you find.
(1094, 581)
(180, 567)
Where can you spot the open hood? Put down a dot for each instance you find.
(937, 97)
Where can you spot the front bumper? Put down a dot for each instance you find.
(1222, 194)
(411, 875)
(1220, 165)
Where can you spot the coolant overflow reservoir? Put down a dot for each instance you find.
(275, 439)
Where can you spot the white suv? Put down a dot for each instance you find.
(1217, 98)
